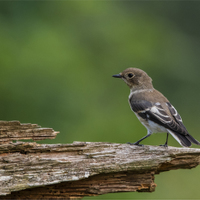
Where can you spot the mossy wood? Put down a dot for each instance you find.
(63, 171)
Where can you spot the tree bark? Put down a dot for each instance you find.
(30, 170)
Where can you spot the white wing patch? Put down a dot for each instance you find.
(174, 112)
(160, 113)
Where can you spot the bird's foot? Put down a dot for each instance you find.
(135, 143)
(163, 145)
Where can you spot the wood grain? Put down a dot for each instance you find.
(14, 130)
(63, 171)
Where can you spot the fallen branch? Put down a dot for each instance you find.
(31, 170)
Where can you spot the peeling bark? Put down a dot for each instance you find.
(31, 170)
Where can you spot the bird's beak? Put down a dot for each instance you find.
(117, 76)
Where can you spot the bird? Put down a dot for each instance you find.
(153, 109)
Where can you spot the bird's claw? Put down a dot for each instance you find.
(163, 145)
(135, 143)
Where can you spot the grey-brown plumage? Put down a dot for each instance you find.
(153, 109)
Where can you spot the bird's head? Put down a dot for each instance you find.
(135, 78)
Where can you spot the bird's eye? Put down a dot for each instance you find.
(130, 75)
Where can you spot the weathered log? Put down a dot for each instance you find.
(38, 171)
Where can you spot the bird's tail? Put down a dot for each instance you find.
(184, 140)
(191, 139)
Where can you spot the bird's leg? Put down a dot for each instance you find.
(165, 145)
(138, 142)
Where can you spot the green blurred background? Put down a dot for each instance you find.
(57, 59)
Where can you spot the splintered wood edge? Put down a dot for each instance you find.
(14, 130)
(36, 171)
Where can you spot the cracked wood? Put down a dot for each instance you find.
(62, 171)
(14, 130)
(85, 168)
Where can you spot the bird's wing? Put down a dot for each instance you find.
(178, 119)
(160, 115)
(175, 114)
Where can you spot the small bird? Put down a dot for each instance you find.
(153, 109)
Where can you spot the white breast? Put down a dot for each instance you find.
(151, 126)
